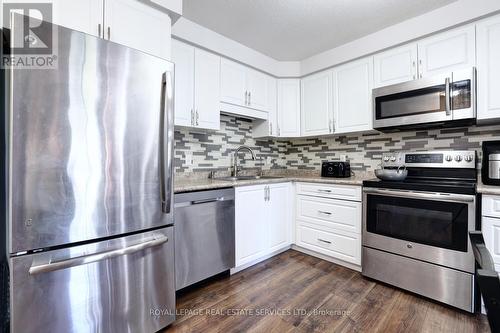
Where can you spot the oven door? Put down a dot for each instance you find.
(427, 226)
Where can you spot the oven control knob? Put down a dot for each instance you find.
(468, 158)
(409, 245)
(458, 158)
(386, 158)
(448, 158)
(393, 158)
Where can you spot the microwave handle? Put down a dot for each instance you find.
(447, 96)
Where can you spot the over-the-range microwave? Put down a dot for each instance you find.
(438, 101)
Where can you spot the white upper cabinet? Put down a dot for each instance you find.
(447, 52)
(137, 25)
(207, 89)
(316, 104)
(288, 108)
(488, 70)
(183, 58)
(243, 86)
(233, 83)
(395, 65)
(352, 96)
(81, 15)
(197, 82)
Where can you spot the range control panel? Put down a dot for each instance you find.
(431, 159)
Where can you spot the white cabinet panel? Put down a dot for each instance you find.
(288, 107)
(258, 90)
(337, 214)
(183, 58)
(491, 233)
(139, 26)
(233, 83)
(447, 51)
(352, 96)
(207, 90)
(395, 65)
(490, 206)
(488, 69)
(81, 15)
(338, 244)
(279, 216)
(250, 224)
(316, 104)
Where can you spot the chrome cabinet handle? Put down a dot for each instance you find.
(192, 117)
(447, 96)
(421, 70)
(436, 196)
(324, 241)
(330, 126)
(197, 118)
(325, 191)
(414, 69)
(246, 97)
(87, 259)
(270, 128)
(109, 33)
(249, 98)
(323, 212)
(279, 131)
(99, 30)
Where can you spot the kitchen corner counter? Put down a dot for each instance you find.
(190, 184)
(487, 189)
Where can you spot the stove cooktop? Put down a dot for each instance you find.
(426, 185)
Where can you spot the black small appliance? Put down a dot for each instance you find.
(336, 169)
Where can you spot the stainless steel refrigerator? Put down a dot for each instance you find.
(89, 190)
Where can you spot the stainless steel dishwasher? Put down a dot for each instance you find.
(204, 235)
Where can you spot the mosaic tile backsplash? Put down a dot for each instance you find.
(212, 150)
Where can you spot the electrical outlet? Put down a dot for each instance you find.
(189, 159)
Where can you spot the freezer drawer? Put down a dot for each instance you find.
(205, 235)
(119, 285)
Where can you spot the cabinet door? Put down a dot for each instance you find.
(395, 65)
(488, 69)
(491, 234)
(207, 90)
(81, 15)
(183, 58)
(316, 108)
(139, 26)
(279, 217)
(233, 83)
(258, 90)
(250, 224)
(352, 96)
(289, 107)
(447, 52)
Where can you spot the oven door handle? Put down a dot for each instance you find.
(423, 195)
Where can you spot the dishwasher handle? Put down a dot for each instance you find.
(197, 202)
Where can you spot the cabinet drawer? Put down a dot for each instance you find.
(491, 233)
(338, 214)
(341, 245)
(333, 191)
(491, 206)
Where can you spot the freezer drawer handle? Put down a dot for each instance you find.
(87, 259)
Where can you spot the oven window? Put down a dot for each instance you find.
(411, 103)
(435, 223)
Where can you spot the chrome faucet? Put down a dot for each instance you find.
(236, 167)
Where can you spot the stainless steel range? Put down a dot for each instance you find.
(415, 232)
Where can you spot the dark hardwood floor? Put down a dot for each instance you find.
(311, 295)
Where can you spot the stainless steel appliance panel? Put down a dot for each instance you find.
(439, 283)
(205, 235)
(435, 254)
(91, 144)
(494, 166)
(119, 285)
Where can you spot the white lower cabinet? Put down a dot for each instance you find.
(490, 226)
(327, 223)
(263, 221)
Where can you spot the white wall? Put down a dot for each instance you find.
(189, 31)
(456, 13)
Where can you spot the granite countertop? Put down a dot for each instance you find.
(486, 189)
(193, 183)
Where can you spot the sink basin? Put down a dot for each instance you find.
(232, 179)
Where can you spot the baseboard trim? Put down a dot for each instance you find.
(327, 258)
(256, 261)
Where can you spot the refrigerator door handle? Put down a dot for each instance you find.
(87, 259)
(166, 138)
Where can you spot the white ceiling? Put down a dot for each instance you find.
(297, 29)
